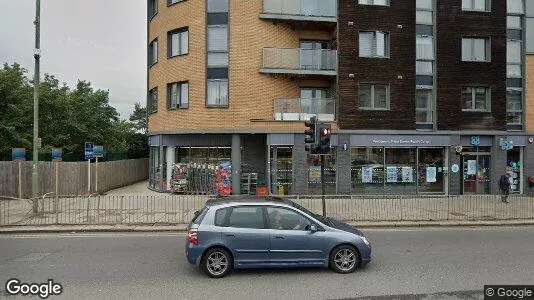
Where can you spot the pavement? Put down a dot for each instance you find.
(183, 227)
(443, 263)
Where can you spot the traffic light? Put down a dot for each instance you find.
(311, 135)
(325, 133)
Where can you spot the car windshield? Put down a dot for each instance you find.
(318, 217)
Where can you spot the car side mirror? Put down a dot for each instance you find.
(313, 228)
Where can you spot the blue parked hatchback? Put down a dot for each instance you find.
(264, 232)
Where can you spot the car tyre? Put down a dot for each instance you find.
(344, 259)
(217, 263)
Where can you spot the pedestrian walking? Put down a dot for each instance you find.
(505, 183)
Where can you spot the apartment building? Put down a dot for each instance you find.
(421, 95)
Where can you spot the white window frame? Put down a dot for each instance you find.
(472, 40)
(373, 2)
(471, 6)
(473, 99)
(515, 111)
(430, 103)
(375, 44)
(182, 101)
(372, 96)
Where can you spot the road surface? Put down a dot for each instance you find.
(409, 262)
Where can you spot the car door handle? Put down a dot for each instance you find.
(231, 235)
(278, 237)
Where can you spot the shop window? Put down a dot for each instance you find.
(430, 170)
(314, 174)
(281, 170)
(367, 170)
(400, 170)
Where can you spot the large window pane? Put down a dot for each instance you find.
(513, 71)
(424, 4)
(514, 101)
(514, 6)
(217, 59)
(366, 44)
(381, 44)
(467, 98)
(217, 92)
(364, 95)
(218, 39)
(475, 49)
(479, 47)
(401, 170)
(480, 5)
(425, 48)
(217, 6)
(513, 52)
(424, 17)
(184, 42)
(480, 98)
(247, 217)
(381, 96)
(184, 94)
(423, 67)
(513, 22)
(367, 170)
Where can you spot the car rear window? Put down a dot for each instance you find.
(220, 216)
(200, 215)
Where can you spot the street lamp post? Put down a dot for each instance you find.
(37, 56)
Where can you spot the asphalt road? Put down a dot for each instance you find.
(415, 263)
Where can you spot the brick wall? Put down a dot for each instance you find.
(251, 94)
(529, 89)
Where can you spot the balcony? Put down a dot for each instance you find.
(301, 109)
(299, 61)
(300, 10)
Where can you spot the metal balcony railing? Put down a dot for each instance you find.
(300, 59)
(303, 108)
(308, 8)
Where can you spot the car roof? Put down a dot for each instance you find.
(246, 199)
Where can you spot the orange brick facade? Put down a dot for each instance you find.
(529, 99)
(251, 94)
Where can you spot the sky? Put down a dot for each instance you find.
(100, 41)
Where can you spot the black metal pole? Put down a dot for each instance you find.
(323, 186)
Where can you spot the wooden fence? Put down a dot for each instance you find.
(72, 176)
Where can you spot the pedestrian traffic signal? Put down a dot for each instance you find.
(325, 133)
(311, 135)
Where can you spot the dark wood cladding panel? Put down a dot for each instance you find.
(373, 70)
(453, 73)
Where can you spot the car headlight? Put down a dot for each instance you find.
(365, 240)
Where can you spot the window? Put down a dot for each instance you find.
(152, 101)
(153, 52)
(513, 52)
(217, 93)
(178, 95)
(513, 22)
(423, 4)
(374, 44)
(530, 34)
(373, 96)
(171, 2)
(217, 59)
(425, 48)
(374, 2)
(177, 42)
(424, 106)
(285, 219)
(217, 38)
(220, 216)
(216, 6)
(476, 98)
(152, 8)
(478, 5)
(247, 217)
(423, 17)
(424, 68)
(515, 6)
(199, 216)
(475, 49)
(514, 107)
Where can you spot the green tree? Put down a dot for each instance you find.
(138, 118)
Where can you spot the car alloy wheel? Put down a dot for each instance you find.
(344, 259)
(217, 263)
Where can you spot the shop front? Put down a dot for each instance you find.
(399, 164)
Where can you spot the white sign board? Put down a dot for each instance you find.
(431, 174)
(367, 174)
(392, 174)
(407, 174)
(471, 167)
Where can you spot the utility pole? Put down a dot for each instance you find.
(37, 56)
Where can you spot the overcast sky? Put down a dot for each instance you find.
(100, 41)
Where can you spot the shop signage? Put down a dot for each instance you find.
(56, 154)
(455, 168)
(18, 154)
(506, 144)
(400, 140)
(475, 140)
